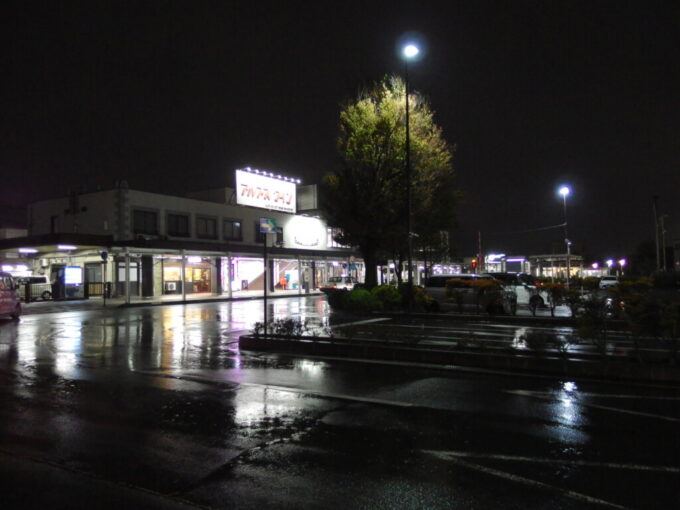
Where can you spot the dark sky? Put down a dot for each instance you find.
(173, 96)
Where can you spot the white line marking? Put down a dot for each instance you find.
(567, 462)
(368, 321)
(535, 483)
(606, 395)
(324, 394)
(288, 389)
(526, 393)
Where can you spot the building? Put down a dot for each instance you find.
(131, 243)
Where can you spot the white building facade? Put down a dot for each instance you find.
(125, 242)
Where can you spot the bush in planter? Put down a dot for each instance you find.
(421, 301)
(361, 300)
(337, 298)
(389, 297)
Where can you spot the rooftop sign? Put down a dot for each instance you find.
(261, 189)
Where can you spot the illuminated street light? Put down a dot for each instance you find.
(622, 263)
(610, 263)
(564, 191)
(409, 52)
(595, 265)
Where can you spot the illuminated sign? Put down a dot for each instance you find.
(73, 275)
(264, 191)
(268, 226)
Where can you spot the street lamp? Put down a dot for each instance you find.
(622, 263)
(410, 51)
(610, 263)
(564, 191)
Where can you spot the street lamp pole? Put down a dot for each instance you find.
(564, 191)
(410, 51)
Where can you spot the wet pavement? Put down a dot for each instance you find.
(156, 407)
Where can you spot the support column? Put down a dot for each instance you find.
(301, 278)
(127, 275)
(147, 276)
(217, 289)
(229, 276)
(184, 280)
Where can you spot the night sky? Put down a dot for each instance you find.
(173, 96)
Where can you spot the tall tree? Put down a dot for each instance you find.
(366, 196)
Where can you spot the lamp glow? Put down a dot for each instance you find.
(411, 50)
(610, 263)
(622, 262)
(28, 250)
(564, 191)
(65, 247)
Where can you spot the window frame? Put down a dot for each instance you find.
(177, 233)
(145, 211)
(232, 221)
(206, 218)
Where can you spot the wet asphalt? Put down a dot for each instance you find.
(156, 407)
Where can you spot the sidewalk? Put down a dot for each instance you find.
(98, 303)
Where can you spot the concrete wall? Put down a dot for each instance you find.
(96, 214)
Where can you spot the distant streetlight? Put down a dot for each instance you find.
(564, 191)
(622, 263)
(595, 265)
(409, 52)
(610, 263)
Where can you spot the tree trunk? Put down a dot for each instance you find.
(371, 266)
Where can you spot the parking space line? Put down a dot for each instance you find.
(534, 483)
(563, 462)
(543, 396)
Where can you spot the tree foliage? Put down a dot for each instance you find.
(366, 196)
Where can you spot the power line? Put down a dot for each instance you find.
(529, 230)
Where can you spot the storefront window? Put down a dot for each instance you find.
(196, 277)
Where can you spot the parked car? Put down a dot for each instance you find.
(9, 296)
(608, 281)
(525, 286)
(39, 287)
(340, 282)
(466, 297)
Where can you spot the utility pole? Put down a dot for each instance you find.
(663, 241)
(656, 231)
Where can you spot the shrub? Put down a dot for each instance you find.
(555, 293)
(389, 297)
(667, 280)
(361, 300)
(538, 341)
(421, 301)
(337, 298)
(591, 284)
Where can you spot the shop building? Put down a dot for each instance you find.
(126, 242)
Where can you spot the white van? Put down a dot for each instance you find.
(501, 300)
(525, 286)
(9, 296)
